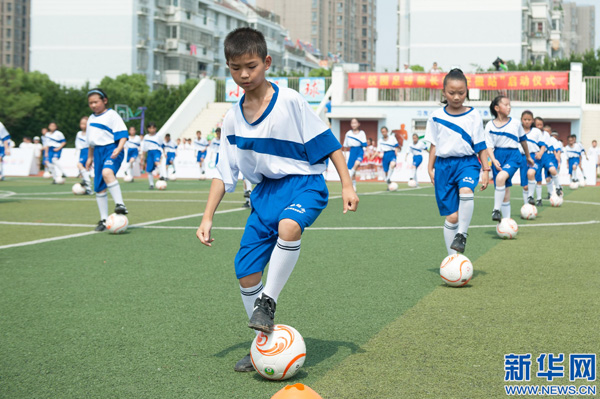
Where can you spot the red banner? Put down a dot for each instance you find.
(483, 81)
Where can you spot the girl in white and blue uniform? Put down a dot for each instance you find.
(386, 150)
(456, 136)
(504, 135)
(106, 133)
(200, 146)
(536, 146)
(171, 152)
(551, 165)
(133, 150)
(573, 151)
(4, 148)
(56, 142)
(152, 152)
(356, 141)
(416, 149)
(82, 145)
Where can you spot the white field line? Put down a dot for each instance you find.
(126, 200)
(133, 191)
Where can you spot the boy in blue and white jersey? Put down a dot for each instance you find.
(171, 152)
(45, 159)
(81, 144)
(4, 148)
(548, 163)
(457, 137)
(133, 150)
(573, 151)
(276, 140)
(152, 152)
(200, 146)
(416, 149)
(503, 136)
(56, 142)
(558, 148)
(386, 150)
(536, 147)
(356, 141)
(106, 133)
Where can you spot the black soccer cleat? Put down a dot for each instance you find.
(548, 196)
(247, 193)
(244, 364)
(88, 191)
(264, 313)
(539, 203)
(120, 209)
(559, 192)
(530, 200)
(496, 215)
(150, 187)
(246, 204)
(459, 243)
(101, 225)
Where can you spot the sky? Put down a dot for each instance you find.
(387, 31)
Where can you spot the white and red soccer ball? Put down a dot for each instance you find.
(507, 228)
(278, 355)
(117, 224)
(456, 270)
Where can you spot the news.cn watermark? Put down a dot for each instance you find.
(552, 368)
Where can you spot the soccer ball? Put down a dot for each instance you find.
(456, 270)
(47, 175)
(412, 183)
(78, 189)
(574, 185)
(161, 184)
(128, 178)
(393, 186)
(155, 173)
(172, 176)
(117, 224)
(556, 200)
(59, 180)
(528, 212)
(507, 228)
(203, 176)
(278, 355)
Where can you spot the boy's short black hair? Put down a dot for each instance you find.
(168, 135)
(218, 130)
(245, 40)
(151, 124)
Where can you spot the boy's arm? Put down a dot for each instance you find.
(349, 197)
(90, 159)
(527, 154)
(430, 168)
(215, 195)
(485, 176)
(119, 148)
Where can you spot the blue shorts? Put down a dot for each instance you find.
(52, 154)
(356, 154)
(573, 164)
(452, 174)
(388, 158)
(510, 159)
(200, 156)
(417, 160)
(102, 160)
(1, 149)
(170, 158)
(83, 155)
(297, 197)
(548, 161)
(132, 153)
(537, 166)
(523, 168)
(152, 157)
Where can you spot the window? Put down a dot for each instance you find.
(364, 56)
(364, 8)
(340, 7)
(364, 20)
(172, 32)
(314, 3)
(364, 44)
(8, 32)
(314, 16)
(339, 20)
(8, 56)
(228, 22)
(9, 8)
(364, 31)
(7, 46)
(313, 29)
(24, 23)
(188, 15)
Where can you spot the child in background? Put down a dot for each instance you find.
(171, 152)
(355, 140)
(456, 136)
(573, 151)
(200, 146)
(416, 149)
(133, 151)
(535, 144)
(81, 144)
(4, 148)
(386, 149)
(152, 153)
(56, 142)
(106, 133)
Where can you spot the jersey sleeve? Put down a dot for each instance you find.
(4, 135)
(478, 134)
(521, 133)
(227, 161)
(489, 140)
(318, 139)
(60, 137)
(118, 127)
(431, 132)
(346, 144)
(363, 138)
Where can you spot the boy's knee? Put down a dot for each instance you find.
(108, 175)
(289, 230)
(452, 218)
(465, 190)
(251, 280)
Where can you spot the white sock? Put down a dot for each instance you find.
(282, 262)
(2, 167)
(389, 174)
(115, 192)
(86, 176)
(465, 212)
(128, 168)
(531, 187)
(525, 196)
(249, 296)
(352, 172)
(450, 231)
(162, 169)
(499, 196)
(202, 168)
(102, 200)
(57, 171)
(556, 181)
(506, 209)
(150, 179)
(415, 176)
(550, 187)
(538, 191)
(247, 185)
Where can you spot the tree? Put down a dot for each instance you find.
(320, 72)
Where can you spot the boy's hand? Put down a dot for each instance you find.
(497, 164)
(530, 161)
(115, 153)
(88, 163)
(538, 155)
(350, 199)
(203, 233)
(431, 176)
(485, 179)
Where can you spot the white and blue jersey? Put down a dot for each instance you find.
(417, 152)
(133, 147)
(573, 155)
(548, 159)
(200, 147)
(505, 141)
(535, 141)
(356, 142)
(283, 152)
(215, 146)
(55, 139)
(170, 151)
(4, 138)
(388, 148)
(82, 145)
(152, 145)
(457, 138)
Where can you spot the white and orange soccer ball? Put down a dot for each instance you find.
(556, 200)
(161, 185)
(128, 178)
(412, 183)
(393, 186)
(456, 270)
(507, 228)
(278, 355)
(59, 180)
(574, 185)
(47, 175)
(117, 224)
(78, 189)
(528, 212)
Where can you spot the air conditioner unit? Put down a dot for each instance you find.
(172, 44)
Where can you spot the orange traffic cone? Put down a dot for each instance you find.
(297, 391)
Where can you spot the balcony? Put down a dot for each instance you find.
(143, 11)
